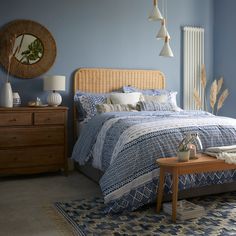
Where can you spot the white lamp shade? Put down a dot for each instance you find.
(155, 15)
(166, 50)
(54, 83)
(163, 33)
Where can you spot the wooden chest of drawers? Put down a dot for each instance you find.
(33, 140)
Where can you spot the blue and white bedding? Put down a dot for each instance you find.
(126, 145)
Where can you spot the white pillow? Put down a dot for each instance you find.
(126, 98)
(157, 98)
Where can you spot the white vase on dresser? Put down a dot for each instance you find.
(6, 98)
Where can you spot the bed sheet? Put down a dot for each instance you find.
(125, 146)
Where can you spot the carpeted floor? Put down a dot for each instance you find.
(88, 218)
(25, 202)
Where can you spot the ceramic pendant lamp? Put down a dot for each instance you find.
(166, 50)
(163, 33)
(155, 14)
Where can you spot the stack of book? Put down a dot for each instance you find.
(185, 210)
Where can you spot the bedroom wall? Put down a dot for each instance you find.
(108, 33)
(225, 50)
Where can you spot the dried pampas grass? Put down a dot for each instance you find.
(197, 99)
(219, 84)
(11, 53)
(203, 84)
(203, 77)
(222, 98)
(213, 95)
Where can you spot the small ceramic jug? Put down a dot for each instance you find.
(16, 100)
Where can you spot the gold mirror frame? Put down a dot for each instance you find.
(27, 27)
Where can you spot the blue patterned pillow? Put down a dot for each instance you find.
(151, 92)
(86, 104)
(155, 106)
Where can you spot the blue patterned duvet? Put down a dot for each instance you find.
(125, 146)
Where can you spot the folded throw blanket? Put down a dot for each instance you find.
(231, 148)
(226, 153)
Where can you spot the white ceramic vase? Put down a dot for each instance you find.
(6, 98)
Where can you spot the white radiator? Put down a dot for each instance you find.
(193, 52)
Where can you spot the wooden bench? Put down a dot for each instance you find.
(204, 163)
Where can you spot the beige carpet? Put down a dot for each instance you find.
(25, 202)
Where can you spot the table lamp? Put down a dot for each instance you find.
(54, 83)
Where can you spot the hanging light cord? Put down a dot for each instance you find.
(162, 8)
(165, 10)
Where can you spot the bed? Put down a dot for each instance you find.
(125, 145)
(104, 80)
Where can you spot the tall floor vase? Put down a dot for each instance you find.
(6, 98)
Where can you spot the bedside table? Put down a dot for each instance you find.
(33, 140)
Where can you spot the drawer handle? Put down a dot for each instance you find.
(13, 120)
(48, 119)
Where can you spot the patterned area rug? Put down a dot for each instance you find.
(87, 218)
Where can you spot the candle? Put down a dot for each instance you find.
(193, 150)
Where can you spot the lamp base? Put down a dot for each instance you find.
(54, 99)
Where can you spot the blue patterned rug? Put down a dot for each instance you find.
(87, 218)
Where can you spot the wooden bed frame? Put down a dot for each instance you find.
(101, 80)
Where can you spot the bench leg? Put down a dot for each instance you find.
(175, 181)
(160, 189)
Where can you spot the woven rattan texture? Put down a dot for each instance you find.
(99, 80)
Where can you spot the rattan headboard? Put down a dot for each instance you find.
(99, 80)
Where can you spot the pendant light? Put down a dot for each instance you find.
(166, 50)
(163, 31)
(155, 14)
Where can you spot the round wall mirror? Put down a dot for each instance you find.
(27, 48)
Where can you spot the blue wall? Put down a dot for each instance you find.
(108, 33)
(225, 50)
